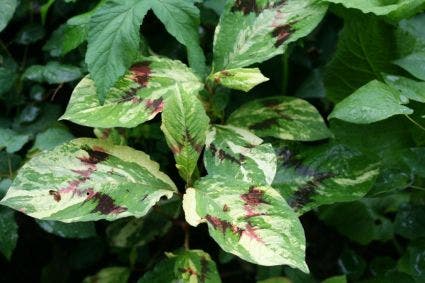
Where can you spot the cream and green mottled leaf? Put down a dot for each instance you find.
(264, 29)
(253, 222)
(393, 9)
(311, 177)
(239, 154)
(372, 102)
(188, 266)
(6, 12)
(240, 78)
(136, 98)
(286, 118)
(86, 180)
(185, 125)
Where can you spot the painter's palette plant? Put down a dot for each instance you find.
(247, 169)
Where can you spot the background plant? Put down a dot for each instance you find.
(314, 174)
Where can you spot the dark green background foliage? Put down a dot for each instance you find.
(349, 157)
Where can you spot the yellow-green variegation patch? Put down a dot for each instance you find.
(239, 154)
(86, 180)
(283, 117)
(185, 125)
(252, 222)
(136, 98)
(313, 177)
(254, 31)
(241, 78)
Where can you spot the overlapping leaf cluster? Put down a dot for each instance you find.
(249, 167)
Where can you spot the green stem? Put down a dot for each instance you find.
(414, 122)
(417, 188)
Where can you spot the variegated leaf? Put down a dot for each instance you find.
(241, 78)
(189, 266)
(185, 125)
(286, 118)
(134, 232)
(264, 29)
(312, 177)
(135, 99)
(239, 154)
(88, 179)
(252, 222)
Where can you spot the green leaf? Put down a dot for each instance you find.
(110, 275)
(253, 222)
(113, 41)
(371, 103)
(135, 232)
(275, 280)
(286, 118)
(365, 222)
(8, 74)
(360, 56)
(194, 266)
(393, 9)
(239, 154)
(414, 64)
(181, 19)
(410, 36)
(413, 261)
(336, 279)
(409, 222)
(86, 180)
(51, 138)
(241, 78)
(410, 89)
(324, 175)
(52, 73)
(135, 99)
(6, 12)
(11, 140)
(69, 35)
(415, 159)
(264, 29)
(185, 125)
(77, 230)
(9, 232)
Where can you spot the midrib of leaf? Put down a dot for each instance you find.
(375, 72)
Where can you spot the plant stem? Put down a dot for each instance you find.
(417, 188)
(414, 122)
(186, 236)
(285, 70)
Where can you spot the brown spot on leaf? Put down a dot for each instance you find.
(204, 270)
(245, 6)
(188, 270)
(303, 195)
(96, 155)
(223, 225)
(188, 137)
(265, 124)
(141, 73)
(56, 195)
(105, 204)
(250, 232)
(222, 155)
(252, 199)
(282, 33)
(131, 96)
(226, 208)
(155, 105)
